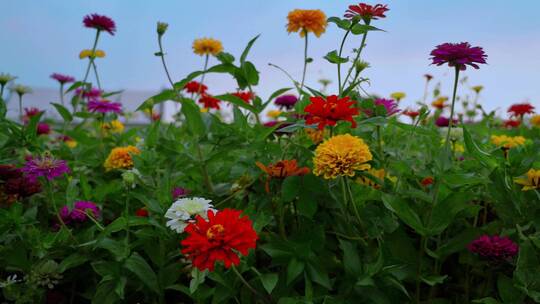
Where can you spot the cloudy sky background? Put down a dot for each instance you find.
(38, 38)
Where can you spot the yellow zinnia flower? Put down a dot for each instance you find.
(207, 46)
(88, 53)
(531, 182)
(120, 158)
(341, 155)
(70, 143)
(508, 141)
(535, 120)
(115, 126)
(398, 95)
(315, 135)
(273, 113)
(378, 173)
(305, 21)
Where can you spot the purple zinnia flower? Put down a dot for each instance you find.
(79, 212)
(104, 106)
(494, 247)
(179, 192)
(100, 23)
(43, 129)
(62, 78)
(459, 55)
(286, 101)
(93, 93)
(444, 122)
(389, 104)
(45, 166)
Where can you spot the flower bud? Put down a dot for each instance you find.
(162, 28)
(360, 66)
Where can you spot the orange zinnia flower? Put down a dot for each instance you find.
(282, 169)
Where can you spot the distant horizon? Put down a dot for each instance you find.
(399, 57)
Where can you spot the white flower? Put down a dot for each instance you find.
(183, 210)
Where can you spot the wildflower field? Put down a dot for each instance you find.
(295, 197)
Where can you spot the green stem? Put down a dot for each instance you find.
(339, 62)
(295, 83)
(203, 75)
(2, 92)
(94, 67)
(425, 92)
(162, 56)
(55, 209)
(353, 203)
(92, 57)
(379, 143)
(253, 290)
(206, 177)
(356, 58)
(126, 215)
(20, 108)
(62, 94)
(451, 122)
(419, 269)
(305, 61)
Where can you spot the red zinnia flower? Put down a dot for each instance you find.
(427, 181)
(511, 123)
(100, 23)
(220, 238)
(330, 111)
(195, 87)
(141, 212)
(245, 96)
(520, 109)
(209, 101)
(411, 114)
(366, 11)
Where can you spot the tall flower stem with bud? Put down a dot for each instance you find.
(339, 62)
(92, 57)
(362, 44)
(161, 29)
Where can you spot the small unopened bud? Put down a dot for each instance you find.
(162, 28)
(360, 66)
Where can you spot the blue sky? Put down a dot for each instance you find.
(41, 37)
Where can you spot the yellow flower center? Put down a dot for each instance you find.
(215, 232)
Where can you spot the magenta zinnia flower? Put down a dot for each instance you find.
(29, 113)
(286, 101)
(43, 129)
(444, 122)
(494, 247)
(79, 212)
(104, 106)
(389, 104)
(366, 11)
(459, 55)
(179, 192)
(100, 23)
(62, 78)
(45, 166)
(17, 183)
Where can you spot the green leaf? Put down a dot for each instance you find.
(247, 49)
(75, 86)
(225, 58)
(507, 291)
(294, 269)
(488, 300)
(193, 117)
(483, 157)
(197, 278)
(290, 188)
(318, 275)
(444, 212)
(527, 273)
(351, 259)
(269, 281)
(433, 280)
(359, 29)
(250, 73)
(136, 264)
(157, 99)
(120, 286)
(71, 261)
(66, 115)
(341, 23)
(402, 209)
(237, 101)
(333, 57)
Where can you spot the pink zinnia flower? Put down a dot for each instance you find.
(100, 23)
(43, 129)
(459, 55)
(104, 106)
(45, 166)
(62, 79)
(179, 192)
(79, 212)
(494, 247)
(389, 105)
(29, 113)
(366, 11)
(286, 101)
